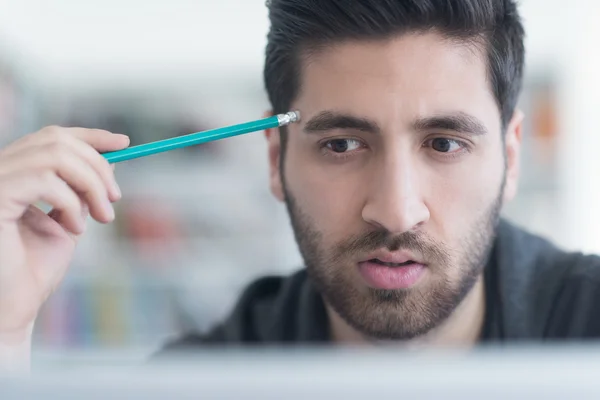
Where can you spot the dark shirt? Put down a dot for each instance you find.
(534, 292)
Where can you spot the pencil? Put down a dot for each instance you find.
(192, 139)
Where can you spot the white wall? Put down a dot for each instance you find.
(97, 38)
(581, 126)
(81, 40)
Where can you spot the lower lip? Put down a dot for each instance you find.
(381, 277)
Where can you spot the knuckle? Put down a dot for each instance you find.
(57, 149)
(95, 186)
(73, 202)
(51, 130)
(47, 177)
(58, 135)
(100, 132)
(106, 167)
(101, 165)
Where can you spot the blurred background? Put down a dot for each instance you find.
(196, 225)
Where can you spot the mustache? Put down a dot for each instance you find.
(416, 242)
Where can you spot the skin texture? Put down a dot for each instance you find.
(425, 170)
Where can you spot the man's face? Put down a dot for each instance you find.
(394, 178)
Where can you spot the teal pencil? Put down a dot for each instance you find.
(192, 139)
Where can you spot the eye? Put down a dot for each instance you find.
(343, 145)
(445, 145)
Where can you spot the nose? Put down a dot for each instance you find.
(395, 202)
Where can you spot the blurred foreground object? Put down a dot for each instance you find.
(512, 372)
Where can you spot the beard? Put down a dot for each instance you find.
(400, 314)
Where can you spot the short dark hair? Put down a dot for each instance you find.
(304, 25)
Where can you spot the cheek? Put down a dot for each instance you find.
(332, 197)
(459, 195)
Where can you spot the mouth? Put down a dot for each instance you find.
(400, 258)
(392, 270)
(391, 264)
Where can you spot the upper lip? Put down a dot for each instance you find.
(393, 257)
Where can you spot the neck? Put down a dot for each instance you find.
(461, 329)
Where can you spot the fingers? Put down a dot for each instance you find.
(100, 140)
(88, 144)
(63, 218)
(72, 155)
(51, 189)
(97, 162)
(81, 176)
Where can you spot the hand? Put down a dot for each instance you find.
(63, 168)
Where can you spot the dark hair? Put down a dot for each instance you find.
(298, 26)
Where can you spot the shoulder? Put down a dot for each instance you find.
(546, 291)
(525, 254)
(576, 307)
(547, 263)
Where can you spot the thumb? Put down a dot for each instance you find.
(58, 216)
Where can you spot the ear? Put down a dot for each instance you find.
(513, 152)
(274, 145)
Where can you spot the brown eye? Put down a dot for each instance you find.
(343, 145)
(444, 145)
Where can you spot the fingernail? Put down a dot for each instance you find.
(110, 210)
(118, 191)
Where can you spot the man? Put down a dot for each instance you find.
(394, 181)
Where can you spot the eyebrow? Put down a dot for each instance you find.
(458, 122)
(327, 121)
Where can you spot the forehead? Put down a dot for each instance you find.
(408, 76)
